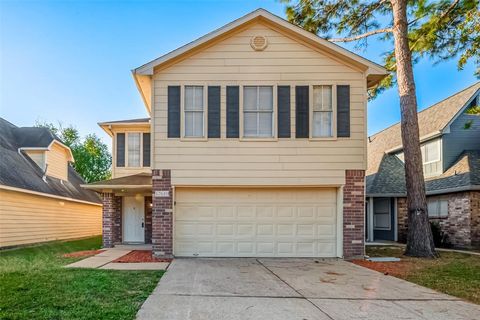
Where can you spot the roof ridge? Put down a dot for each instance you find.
(433, 105)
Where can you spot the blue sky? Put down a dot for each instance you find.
(70, 61)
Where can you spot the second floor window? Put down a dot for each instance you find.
(322, 112)
(194, 112)
(431, 152)
(134, 148)
(258, 111)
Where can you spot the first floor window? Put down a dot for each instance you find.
(258, 111)
(322, 112)
(133, 149)
(381, 214)
(437, 208)
(194, 112)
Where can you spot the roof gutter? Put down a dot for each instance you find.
(425, 138)
(429, 193)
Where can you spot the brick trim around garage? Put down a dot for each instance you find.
(354, 214)
(162, 213)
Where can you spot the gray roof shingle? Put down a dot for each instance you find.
(19, 171)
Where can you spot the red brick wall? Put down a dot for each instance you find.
(462, 223)
(402, 216)
(162, 214)
(354, 214)
(112, 220)
(148, 220)
(475, 216)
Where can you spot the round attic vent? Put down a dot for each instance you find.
(259, 43)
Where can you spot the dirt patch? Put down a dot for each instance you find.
(82, 254)
(397, 269)
(138, 256)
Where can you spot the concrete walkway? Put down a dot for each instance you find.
(104, 260)
(289, 289)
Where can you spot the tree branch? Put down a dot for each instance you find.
(361, 36)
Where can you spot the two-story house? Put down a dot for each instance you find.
(41, 198)
(255, 146)
(450, 145)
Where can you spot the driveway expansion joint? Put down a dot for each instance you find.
(301, 295)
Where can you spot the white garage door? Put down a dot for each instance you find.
(284, 222)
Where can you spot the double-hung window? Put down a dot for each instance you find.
(133, 143)
(322, 121)
(194, 112)
(438, 208)
(258, 111)
(431, 151)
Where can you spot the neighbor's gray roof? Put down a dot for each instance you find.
(430, 120)
(19, 171)
(464, 174)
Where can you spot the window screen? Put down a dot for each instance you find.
(322, 111)
(258, 111)
(133, 149)
(193, 111)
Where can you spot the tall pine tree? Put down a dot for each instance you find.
(438, 29)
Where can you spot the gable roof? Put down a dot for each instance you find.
(107, 126)
(463, 175)
(17, 170)
(374, 71)
(431, 121)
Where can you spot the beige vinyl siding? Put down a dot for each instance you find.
(38, 156)
(27, 218)
(57, 163)
(118, 172)
(290, 161)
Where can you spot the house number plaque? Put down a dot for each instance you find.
(162, 194)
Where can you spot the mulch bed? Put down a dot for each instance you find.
(82, 254)
(137, 256)
(397, 269)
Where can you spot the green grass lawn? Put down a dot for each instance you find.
(33, 285)
(453, 273)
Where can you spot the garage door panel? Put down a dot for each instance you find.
(255, 222)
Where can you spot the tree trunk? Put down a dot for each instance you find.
(419, 237)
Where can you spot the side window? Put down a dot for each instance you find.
(438, 208)
(258, 111)
(194, 112)
(322, 112)
(133, 143)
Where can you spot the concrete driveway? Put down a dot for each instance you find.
(303, 289)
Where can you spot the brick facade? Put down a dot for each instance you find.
(354, 214)
(112, 220)
(162, 214)
(475, 218)
(148, 219)
(462, 225)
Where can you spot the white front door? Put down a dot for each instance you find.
(133, 219)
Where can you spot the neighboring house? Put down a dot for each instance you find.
(450, 145)
(40, 194)
(256, 147)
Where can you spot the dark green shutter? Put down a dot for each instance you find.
(214, 112)
(233, 100)
(343, 111)
(146, 149)
(301, 111)
(283, 100)
(120, 149)
(173, 112)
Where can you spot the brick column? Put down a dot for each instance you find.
(108, 219)
(354, 214)
(162, 213)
